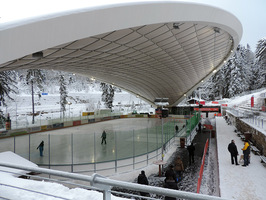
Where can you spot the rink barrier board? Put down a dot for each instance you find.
(76, 123)
(24, 131)
(84, 121)
(68, 123)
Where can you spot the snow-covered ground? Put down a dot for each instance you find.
(236, 181)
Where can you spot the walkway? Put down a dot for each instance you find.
(237, 182)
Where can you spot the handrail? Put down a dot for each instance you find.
(202, 165)
(105, 184)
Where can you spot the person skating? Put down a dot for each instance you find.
(142, 179)
(40, 147)
(103, 137)
(233, 151)
(191, 149)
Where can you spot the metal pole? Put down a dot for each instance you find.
(72, 153)
(133, 149)
(49, 149)
(94, 153)
(147, 147)
(14, 144)
(162, 138)
(116, 152)
(29, 147)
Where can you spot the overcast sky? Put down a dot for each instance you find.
(251, 13)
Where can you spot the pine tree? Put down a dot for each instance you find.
(35, 77)
(7, 86)
(261, 56)
(63, 94)
(107, 95)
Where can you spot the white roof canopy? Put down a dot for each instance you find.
(153, 49)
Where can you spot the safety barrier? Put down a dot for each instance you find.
(202, 165)
(104, 184)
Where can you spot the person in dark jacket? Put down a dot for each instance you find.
(170, 173)
(191, 149)
(170, 183)
(40, 147)
(233, 151)
(103, 137)
(176, 129)
(142, 179)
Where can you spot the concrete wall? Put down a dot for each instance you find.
(258, 138)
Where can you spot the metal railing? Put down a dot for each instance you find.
(104, 184)
(250, 117)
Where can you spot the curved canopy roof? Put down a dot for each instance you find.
(153, 49)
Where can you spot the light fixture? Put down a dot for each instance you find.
(214, 71)
(38, 54)
(216, 29)
(185, 95)
(176, 25)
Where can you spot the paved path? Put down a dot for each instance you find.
(237, 182)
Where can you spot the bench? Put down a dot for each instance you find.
(242, 137)
(263, 159)
(255, 150)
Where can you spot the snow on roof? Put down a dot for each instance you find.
(10, 157)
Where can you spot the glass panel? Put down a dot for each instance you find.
(124, 144)
(104, 152)
(35, 140)
(83, 148)
(60, 149)
(7, 144)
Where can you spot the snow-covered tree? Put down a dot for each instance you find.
(261, 56)
(35, 79)
(107, 95)
(7, 86)
(63, 95)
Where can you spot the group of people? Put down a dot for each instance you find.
(232, 148)
(172, 175)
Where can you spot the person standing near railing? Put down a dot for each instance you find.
(142, 179)
(191, 149)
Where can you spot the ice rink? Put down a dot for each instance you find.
(126, 138)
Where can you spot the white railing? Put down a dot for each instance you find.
(104, 184)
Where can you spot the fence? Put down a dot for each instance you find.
(82, 153)
(104, 185)
(250, 117)
(202, 165)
